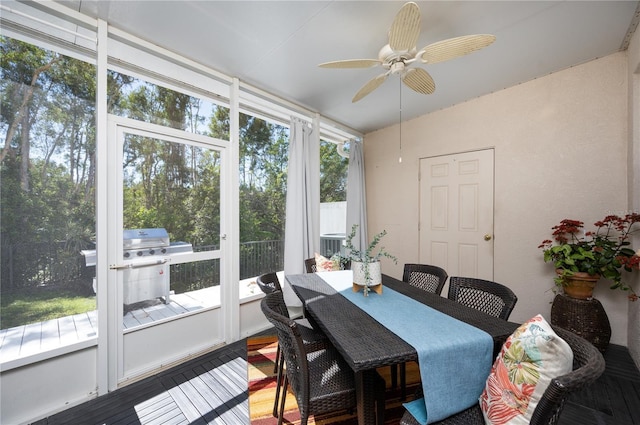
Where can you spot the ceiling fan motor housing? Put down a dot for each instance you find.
(396, 61)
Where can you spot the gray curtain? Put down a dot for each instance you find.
(302, 223)
(356, 195)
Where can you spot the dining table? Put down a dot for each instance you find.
(365, 343)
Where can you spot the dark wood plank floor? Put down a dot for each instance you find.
(614, 399)
(212, 389)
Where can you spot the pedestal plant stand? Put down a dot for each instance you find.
(585, 317)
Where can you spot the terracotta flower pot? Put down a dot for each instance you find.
(580, 285)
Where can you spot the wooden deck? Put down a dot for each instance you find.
(212, 389)
(30, 342)
(143, 314)
(23, 344)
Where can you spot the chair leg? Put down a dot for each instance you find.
(380, 400)
(275, 366)
(394, 375)
(403, 381)
(279, 385)
(282, 400)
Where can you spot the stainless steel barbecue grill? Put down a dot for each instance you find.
(146, 274)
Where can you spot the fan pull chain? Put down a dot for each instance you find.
(400, 124)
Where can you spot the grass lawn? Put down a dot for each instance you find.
(19, 309)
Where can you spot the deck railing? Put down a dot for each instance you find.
(47, 264)
(43, 264)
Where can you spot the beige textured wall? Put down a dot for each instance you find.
(560, 152)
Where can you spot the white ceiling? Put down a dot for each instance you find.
(277, 45)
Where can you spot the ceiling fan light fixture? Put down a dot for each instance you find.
(397, 67)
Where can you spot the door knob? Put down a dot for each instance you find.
(487, 237)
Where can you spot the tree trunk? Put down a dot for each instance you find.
(23, 107)
(25, 148)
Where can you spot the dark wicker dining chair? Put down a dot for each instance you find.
(428, 278)
(312, 338)
(310, 265)
(588, 365)
(321, 381)
(489, 297)
(424, 276)
(269, 282)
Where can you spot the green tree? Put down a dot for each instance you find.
(333, 174)
(47, 111)
(263, 153)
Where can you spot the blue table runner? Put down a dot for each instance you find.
(454, 357)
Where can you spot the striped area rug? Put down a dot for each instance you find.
(261, 353)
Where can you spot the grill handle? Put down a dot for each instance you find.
(138, 265)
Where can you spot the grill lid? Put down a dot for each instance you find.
(145, 238)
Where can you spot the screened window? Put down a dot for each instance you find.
(333, 173)
(47, 194)
(263, 181)
(333, 198)
(141, 100)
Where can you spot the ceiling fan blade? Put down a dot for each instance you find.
(455, 47)
(351, 63)
(405, 28)
(370, 86)
(419, 80)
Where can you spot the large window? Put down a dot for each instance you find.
(333, 198)
(141, 100)
(47, 168)
(264, 149)
(333, 173)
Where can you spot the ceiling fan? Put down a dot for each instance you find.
(398, 56)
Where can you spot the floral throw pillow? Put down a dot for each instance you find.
(323, 264)
(532, 356)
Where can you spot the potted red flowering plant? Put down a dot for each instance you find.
(604, 252)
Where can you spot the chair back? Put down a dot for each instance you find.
(588, 365)
(310, 265)
(291, 346)
(489, 297)
(426, 277)
(269, 282)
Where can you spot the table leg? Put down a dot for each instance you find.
(365, 396)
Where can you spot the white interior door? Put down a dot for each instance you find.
(456, 213)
